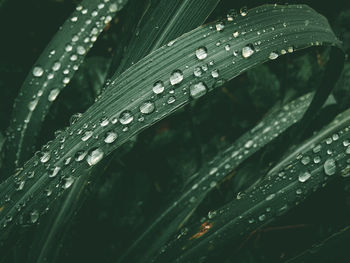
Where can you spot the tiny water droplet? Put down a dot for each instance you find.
(87, 135)
(243, 11)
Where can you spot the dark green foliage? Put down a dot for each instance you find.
(231, 177)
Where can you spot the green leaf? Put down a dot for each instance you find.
(221, 166)
(51, 73)
(310, 166)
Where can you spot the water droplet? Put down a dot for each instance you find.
(243, 11)
(94, 156)
(317, 148)
(273, 55)
(176, 77)
(87, 135)
(54, 171)
(147, 107)
(158, 87)
(68, 48)
(53, 94)
(305, 160)
(262, 217)
(235, 34)
(104, 121)
(211, 214)
(329, 166)
(32, 104)
(247, 51)
(34, 216)
(80, 155)
(303, 177)
(248, 144)
(215, 73)
(74, 118)
(197, 72)
(113, 8)
(126, 117)
(227, 47)
(81, 50)
(201, 53)
(299, 191)
(198, 90)
(56, 66)
(171, 100)
(110, 137)
(270, 197)
(220, 26)
(37, 72)
(45, 157)
(68, 181)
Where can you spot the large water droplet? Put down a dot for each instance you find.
(176, 77)
(247, 51)
(198, 90)
(68, 182)
(126, 117)
(329, 166)
(201, 53)
(38, 71)
(94, 156)
(147, 107)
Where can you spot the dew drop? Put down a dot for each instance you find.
(273, 55)
(81, 50)
(220, 26)
(53, 94)
(329, 166)
(110, 137)
(303, 177)
(94, 156)
(80, 155)
(68, 182)
(176, 77)
(215, 73)
(87, 135)
(45, 157)
(56, 66)
(38, 72)
(104, 121)
(247, 51)
(158, 87)
(201, 53)
(171, 100)
(147, 107)
(126, 117)
(235, 34)
(198, 90)
(243, 11)
(113, 8)
(34, 216)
